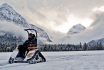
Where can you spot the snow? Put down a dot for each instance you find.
(73, 60)
(7, 13)
(76, 29)
(94, 42)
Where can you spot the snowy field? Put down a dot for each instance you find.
(74, 60)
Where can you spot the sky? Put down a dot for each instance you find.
(94, 32)
(56, 17)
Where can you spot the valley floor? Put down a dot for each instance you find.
(73, 60)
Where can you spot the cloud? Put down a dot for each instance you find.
(96, 9)
(43, 12)
(13, 28)
(40, 12)
(95, 31)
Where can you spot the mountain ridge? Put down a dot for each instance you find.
(9, 14)
(76, 29)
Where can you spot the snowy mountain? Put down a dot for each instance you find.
(9, 14)
(76, 29)
(41, 34)
(96, 44)
(72, 31)
(93, 42)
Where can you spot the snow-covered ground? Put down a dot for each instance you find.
(74, 60)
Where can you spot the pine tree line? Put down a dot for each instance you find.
(8, 42)
(97, 46)
(70, 47)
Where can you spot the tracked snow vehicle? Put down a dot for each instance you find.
(32, 56)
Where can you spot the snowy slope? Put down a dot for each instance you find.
(77, 60)
(76, 29)
(9, 14)
(42, 35)
(96, 41)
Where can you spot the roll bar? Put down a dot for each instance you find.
(30, 30)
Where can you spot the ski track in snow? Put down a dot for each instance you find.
(73, 60)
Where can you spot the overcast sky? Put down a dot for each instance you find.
(56, 17)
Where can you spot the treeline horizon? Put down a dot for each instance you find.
(8, 43)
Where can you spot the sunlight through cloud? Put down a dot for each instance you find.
(71, 20)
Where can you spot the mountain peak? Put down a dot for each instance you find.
(78, 26)
(9, 14)
(5, 5)
(76, 29)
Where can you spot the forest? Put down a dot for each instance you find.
(9, 42)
